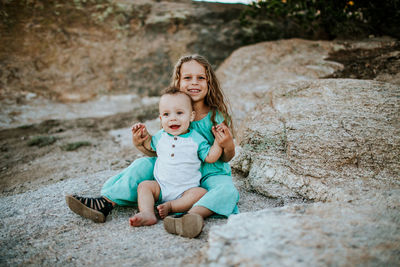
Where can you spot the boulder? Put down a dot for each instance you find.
(251, 71)
(322, 140)
(365, 233)
(335, 143)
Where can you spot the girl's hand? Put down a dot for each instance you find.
(139, 134)
(223, 135)
(224, 138)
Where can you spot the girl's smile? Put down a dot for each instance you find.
(193, 80)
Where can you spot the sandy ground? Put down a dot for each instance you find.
(37, 228)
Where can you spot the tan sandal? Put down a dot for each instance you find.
(95, 209)
(186, 225)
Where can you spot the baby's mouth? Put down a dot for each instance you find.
(174, 127)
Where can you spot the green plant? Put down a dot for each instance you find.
(41, 141)
(75, 145)
(274, 19)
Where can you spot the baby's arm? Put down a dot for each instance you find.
(142, 139)
(214, 153)
(225, 140)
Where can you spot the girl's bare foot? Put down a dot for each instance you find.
(142, 219)
(164, 209)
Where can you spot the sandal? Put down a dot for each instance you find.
(186, 224)
(95, 209)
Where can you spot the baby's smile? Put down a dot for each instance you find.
(174, 126)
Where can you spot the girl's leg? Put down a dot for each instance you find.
(221, 197)
(148, 193)
(183, 203)
(122, 188)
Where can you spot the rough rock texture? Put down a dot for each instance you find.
(335, 141)
(323, 140)
(365, 233)
(75, 50)
(251, 71)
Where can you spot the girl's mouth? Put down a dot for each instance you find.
(194, 90)
(174, 127)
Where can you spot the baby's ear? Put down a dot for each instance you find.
(193, 115)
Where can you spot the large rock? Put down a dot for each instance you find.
(323, 140)
(365, 233)
(251, 71)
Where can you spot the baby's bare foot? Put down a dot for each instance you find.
(142, 219)
(164, 209)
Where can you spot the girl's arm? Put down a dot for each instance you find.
(214, 153)
(225, 140)
(142, 139)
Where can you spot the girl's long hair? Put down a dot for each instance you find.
(215, 98)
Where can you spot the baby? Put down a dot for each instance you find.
(180, 151)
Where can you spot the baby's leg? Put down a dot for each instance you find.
(183, 203)
(148, 192)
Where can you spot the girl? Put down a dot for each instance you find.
(194, 76)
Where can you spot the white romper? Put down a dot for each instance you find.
(179, 158)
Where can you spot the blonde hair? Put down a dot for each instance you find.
(215, 98)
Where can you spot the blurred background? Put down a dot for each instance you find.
(74, 51)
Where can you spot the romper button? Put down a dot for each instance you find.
(172, 154)
(175, 138)
(173, 145)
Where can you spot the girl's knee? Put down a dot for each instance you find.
(228, 191)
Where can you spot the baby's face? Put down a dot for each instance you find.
(176, 113)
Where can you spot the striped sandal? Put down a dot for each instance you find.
(95, 209)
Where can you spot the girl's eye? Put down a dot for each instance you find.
(202, 78)
(186, 78)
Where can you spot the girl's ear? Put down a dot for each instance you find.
(193, 115)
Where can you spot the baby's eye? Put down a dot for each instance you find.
(180, 112)
(165, 114)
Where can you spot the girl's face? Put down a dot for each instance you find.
(193, 80)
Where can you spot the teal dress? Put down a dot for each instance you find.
(221, 196)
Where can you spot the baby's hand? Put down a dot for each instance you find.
(139, 134)
(223, 135)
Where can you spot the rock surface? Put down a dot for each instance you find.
(364, 233)
(323, 140)
(74, 51)
(335, 141)
(250, 72)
